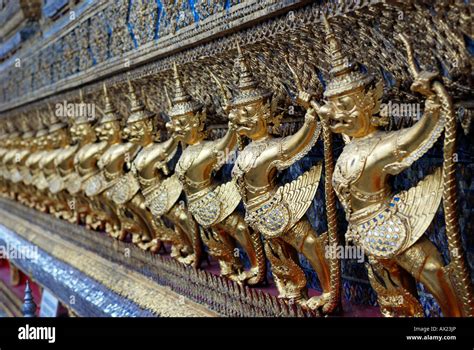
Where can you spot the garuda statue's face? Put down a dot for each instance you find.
(347, 114)
(249, 119)
(80, 132)
(108, 131)
(137, 131)
(187, 127)
(56, 138)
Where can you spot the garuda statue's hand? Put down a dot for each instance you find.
(304, 99)
(423, 83)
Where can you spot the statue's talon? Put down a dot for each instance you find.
(118, 234)
(250, 277)
(136, 239)
(317, 302)
(155, 246)
(189, 260)
(175, 252)
(236, 277)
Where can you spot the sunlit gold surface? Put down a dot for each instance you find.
(213, 205)
(277, 213)
(389, 226)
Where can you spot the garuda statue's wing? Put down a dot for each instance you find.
(215, 205)
(420, 204)
(287, 206)
(124, 189)
(402, 221)
(161, 198)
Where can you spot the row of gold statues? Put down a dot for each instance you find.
(120, 180)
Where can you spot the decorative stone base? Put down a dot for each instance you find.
(95, 275)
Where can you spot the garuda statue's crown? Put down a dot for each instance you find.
(81, 119)
(54, 122)
(25, 127)
(182, 102)
(109, 114)
(248, 90)
(137, 108)
(3, 134)
(345, 75)
(11, 129)
(42, 128)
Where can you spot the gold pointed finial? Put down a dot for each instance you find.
(182, 102)
(340, 61)
(248, 90)
(410, 56)
(109, 108)
(26, 126)
(168, 99)
(137, 108)
(327, 26)
(54, 122)
(226, 96)
(345, 75)
(83, 117)
(109, 113)
(175, 70)
(180, 94)
(145, 98)
(135, 104)
(42, 127)
(239, 50)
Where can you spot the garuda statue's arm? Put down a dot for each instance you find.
(222, 147)
(227, 142)
(167, 150)
(296, 146)
(411, 143)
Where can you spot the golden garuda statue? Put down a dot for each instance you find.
(92, 171)
(19, 172)
(390, 226)
(84, 166)
(32, 175)
(64, 162)
(8, 160)
(3, 150)
(58, 143)
(161, 191)
(213, 205)
(118, 169)
(277, 211)
(17, 149)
